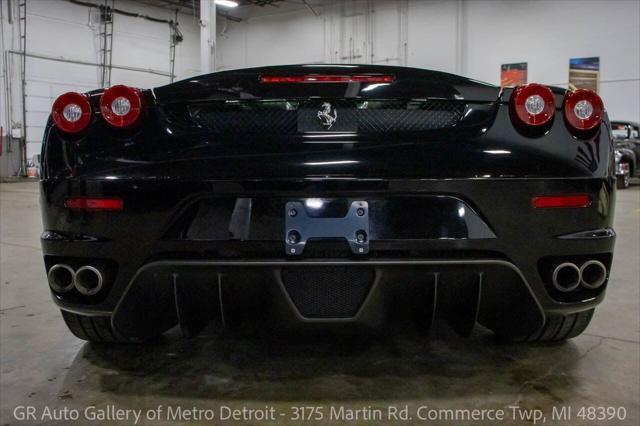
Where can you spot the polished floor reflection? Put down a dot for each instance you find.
(42, 364)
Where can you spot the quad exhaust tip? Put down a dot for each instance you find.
(593, 274)
(88, 280)
(566, 277)
(61, 277)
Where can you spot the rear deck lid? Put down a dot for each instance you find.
(299, 100)
(308, 81)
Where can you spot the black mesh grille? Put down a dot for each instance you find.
(232, 119)
(291, 117)
(410, 116)
(328, 292)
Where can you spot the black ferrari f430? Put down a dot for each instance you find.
(331, 197)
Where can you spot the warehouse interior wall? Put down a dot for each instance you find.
(63, 30)
(547, 33)
(472, 38)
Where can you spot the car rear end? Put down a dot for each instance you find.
(329, 197)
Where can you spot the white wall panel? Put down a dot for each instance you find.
(387, 41)
(59, 37)
(547, 33)
(621, 99)
(267, 46)
(432, 34)
(60, 29)
(38, 103)
(232, 45)
(544, 33)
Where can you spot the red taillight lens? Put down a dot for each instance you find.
(325, 78)
(583, 109)
(71, 112)
(103, 204)
(121, 106)
(532, 105)
(561, 201)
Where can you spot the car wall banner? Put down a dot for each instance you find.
(513, 74)
(584, 73)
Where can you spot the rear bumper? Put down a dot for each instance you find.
(328, 293)
(138, 244)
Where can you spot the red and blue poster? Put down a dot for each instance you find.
(513, 74)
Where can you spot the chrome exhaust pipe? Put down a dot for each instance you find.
(88, 280)
(566, 277)
(593, 274)
(60, 277)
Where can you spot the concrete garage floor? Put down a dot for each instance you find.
(43, 365)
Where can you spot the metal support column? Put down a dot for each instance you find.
(22, 26)
(460, 34)
(175, 38)
(207, 36)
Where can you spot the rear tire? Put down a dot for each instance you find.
(557, 328)
(92, 329)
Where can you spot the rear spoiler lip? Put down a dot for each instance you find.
(407, 83)
(316, 78)
(327, 98)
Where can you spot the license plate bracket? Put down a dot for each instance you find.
(300, 227)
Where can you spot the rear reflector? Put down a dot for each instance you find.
(561, 201)
(103, 204)
(324, 78)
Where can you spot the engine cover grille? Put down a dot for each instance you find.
(328, 291)
(291, 117)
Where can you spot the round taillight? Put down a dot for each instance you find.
(71, 112)
(532, 105)
(121, 106)
(583, 109)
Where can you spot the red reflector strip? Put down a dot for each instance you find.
(324, 78)
(561, 201)
(103, 204)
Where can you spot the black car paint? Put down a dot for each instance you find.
(159, 170)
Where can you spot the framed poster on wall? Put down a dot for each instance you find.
(513, 74)
(584, 73)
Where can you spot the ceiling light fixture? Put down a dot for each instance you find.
(226, 3)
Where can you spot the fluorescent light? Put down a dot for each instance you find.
(332, 66)
(226, 3)
(332, 163)
(497, 151)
